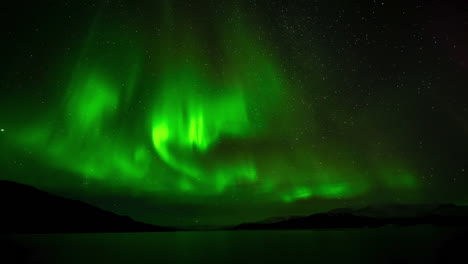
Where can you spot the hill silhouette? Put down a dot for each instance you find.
(25, 209)
(371, 216)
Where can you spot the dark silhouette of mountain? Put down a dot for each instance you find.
(371, 216)
(24, 209)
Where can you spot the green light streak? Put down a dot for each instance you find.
(297, 194)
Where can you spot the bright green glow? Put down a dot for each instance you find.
(186, 126)
(196, 109)
(298, 193)
(91, 102)
(174, 117)
(160, 136)
(334, 190)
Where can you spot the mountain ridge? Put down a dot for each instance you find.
(370, 216)
(26, 209)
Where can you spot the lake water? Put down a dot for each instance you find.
(424, 244)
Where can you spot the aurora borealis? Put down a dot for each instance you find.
(196, 111)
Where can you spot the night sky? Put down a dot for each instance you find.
(218, 112)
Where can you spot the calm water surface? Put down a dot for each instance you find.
(383, 245)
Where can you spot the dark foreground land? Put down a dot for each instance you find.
(446, 215)
(37, 227)
(25, 209)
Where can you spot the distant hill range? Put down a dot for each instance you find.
(24, 209)
(371, 216)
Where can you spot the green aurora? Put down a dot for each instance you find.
(197, 111)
